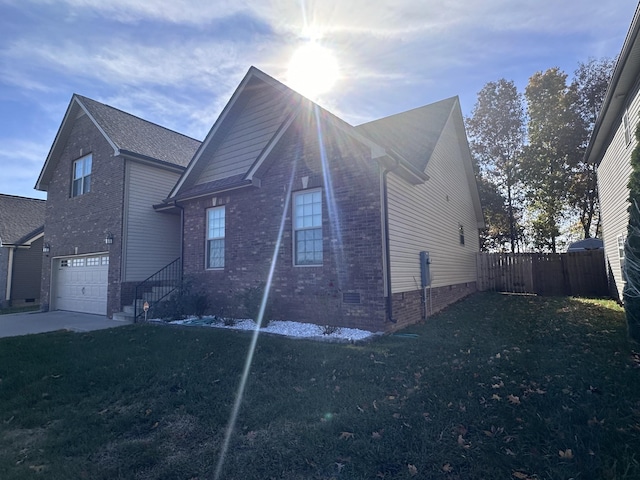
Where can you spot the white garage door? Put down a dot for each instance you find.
(80, 284)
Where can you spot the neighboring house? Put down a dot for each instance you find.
(610, 148)
(335, 216)
(585, 245)
(105, 171)
(21, 232)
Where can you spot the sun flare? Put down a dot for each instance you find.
(313, 70)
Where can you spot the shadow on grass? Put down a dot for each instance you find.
(496, 386)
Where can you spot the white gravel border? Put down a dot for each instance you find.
(280, 327)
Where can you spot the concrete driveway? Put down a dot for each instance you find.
(15, 324)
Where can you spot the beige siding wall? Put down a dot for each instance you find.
(152, 239)
(427, 217)
(258, 122)
(613, 176)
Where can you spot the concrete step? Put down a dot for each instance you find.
(128, 309)
(123, 317)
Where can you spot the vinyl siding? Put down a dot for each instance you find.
(27, 268)
(427, 217)
(251, 132)
(152, 239)
(613, 176)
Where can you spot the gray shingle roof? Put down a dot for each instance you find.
(19, 217)
(413, 134)
(135, 135)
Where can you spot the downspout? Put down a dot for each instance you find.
(9, 273)
(175, 202)
(387, 247)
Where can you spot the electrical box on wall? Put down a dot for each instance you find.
(425, 272)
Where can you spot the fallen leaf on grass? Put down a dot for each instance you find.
(37, 468)
(513, 399)
(447, 468)
(566, 454)
(522, 476)
(346, 435)
(496, 397)
(377, 435)
(594, 421)
(462, 442)
(413, 471)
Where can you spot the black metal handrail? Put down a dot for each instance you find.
(157, 286)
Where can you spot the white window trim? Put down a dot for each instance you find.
(620, 243)
(294, 229)
(82, 178)
(207, 239)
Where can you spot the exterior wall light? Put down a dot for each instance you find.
(46, 248)
(108, 239)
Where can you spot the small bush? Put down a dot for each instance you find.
(251, 300)
(229, 321)
(330, 330)
(181, 304)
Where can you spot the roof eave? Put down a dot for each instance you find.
(624, 76)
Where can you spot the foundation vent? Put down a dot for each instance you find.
(350, 297)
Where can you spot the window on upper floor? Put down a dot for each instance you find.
(81, 183)
(307, 227)
(215, 237)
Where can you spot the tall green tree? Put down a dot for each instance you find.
(590, 83)
(497, 135)
(631, 292)
(496, 234)
(555, 133)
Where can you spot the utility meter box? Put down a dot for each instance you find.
(425, 272)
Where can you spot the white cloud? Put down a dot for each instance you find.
(21, 162)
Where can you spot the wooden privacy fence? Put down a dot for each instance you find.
(575, 273)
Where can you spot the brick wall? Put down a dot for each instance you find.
(409, 308)
(78, 225)
(352, 243)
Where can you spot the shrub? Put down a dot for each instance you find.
(182, 303)
(330, 329)
(251, 300)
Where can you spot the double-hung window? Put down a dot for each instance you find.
(307, 226)
(215, 237)
(81, 176)
(621, 240)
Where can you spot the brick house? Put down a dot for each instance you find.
(21, 242)
(333, 217)
(105, 170)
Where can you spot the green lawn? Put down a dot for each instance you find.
(496, 387)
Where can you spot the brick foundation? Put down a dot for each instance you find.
(409, 308)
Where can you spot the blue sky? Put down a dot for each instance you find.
(176, 62)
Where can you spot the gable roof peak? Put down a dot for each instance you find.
(127, 134)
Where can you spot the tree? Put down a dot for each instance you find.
(555, 132)
(496, 233)
(631, 292)
(497, 135)
(590, 83)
